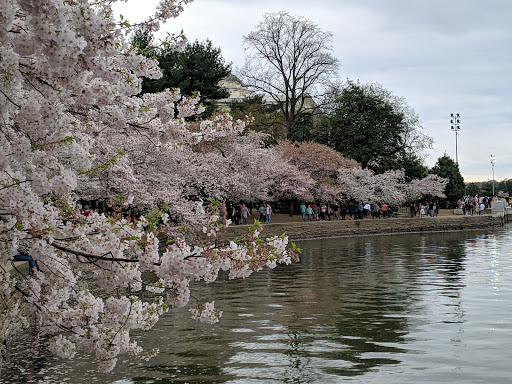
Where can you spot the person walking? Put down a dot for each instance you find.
(384, 211)
(236, 214)
(343, 209)
(375, 211)
(431, 208)
(316, 212)
(244, 212)
(366, 210)
(303, 211)
(261, 211)
(356, 211)
(337, 211)
(223, 212)
(323, 210)
(268, 214)
(329, 211)
(309, 212)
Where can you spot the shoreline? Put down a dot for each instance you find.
(298, 230)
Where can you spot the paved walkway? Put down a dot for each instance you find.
(280, 218)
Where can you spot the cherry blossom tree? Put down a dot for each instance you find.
(356, 183)
(321, 162)
(431, 185)
(287, 181)
(225, 168)
(239, 165)
(68, 105)
(390, 187)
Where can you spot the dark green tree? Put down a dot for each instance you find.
(505, 186)
(198, 68)
(472, 189)
(413, 166)
(446, 167)
(266, 117)
(304, 122)
(487, 188)
(143, 40)
(377, 129)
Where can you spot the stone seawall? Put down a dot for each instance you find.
(347, 228)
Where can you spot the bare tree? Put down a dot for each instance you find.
(289, 60)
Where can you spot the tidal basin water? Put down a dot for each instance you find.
(418, 308)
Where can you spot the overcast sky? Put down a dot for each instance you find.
(442, 56)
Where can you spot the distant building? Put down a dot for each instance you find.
(238, 91)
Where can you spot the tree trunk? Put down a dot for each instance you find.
(291, 208)
(289, 130)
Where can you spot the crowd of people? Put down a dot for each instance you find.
(430, 208)
(476, 205)
(238, 213)
(344, 210)
(356, 210)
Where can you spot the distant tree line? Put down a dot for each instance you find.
(484, 188)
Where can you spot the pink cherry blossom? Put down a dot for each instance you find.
(73, 126)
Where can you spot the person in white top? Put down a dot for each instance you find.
(366, 210)
(268, 214)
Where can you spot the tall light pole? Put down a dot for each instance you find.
(455, 124)
(493, 161)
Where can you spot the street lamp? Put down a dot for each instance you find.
(493, 161)
(455, 121)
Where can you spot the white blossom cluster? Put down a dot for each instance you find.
(68, 110)
(390, 187)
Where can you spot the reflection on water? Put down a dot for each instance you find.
(392, 309)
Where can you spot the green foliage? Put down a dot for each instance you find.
(153, 218)
(473, 189)
(112, 160)
(446, 167)
(505, 186)
(266, 117)
(120, 199)
(142, 39)
(319, 131)
(366, 128)
(377, 129)
(214, 203)
(487, 188)
(295, 248)
(198, 68)
(303, 127)
(413, 166)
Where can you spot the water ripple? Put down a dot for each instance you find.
(395, 309)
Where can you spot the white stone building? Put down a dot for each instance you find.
(238, 91)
